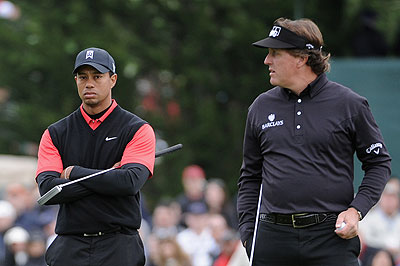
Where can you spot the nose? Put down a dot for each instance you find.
(267, 60)
(89, 82)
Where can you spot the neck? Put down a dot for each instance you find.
(95, 109)
(302, 80)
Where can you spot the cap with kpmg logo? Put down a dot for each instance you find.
(97, 58)
(282, 38)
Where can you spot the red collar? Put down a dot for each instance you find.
(94, 123)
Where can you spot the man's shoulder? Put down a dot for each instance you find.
(65, 120)
(128, 116)
(269, 95)
(343, 91)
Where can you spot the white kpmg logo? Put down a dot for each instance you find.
(271, 122)
(374, 148)
(276, 30)
(89, 54)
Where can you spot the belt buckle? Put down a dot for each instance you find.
(93, 234)
(294, 220)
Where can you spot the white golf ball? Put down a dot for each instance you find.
(342, 226)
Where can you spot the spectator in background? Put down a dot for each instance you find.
(232, 251)
(30, 215)
(370, 256)
(196, 240)
(7, 218)
(381, 227)
(36, 249)
(166, 219)
(217, 201)
(8, 10)
(217, 225)
(17, 194)
(16, 240)
(368, 41)
(170, 253)
(193, 181)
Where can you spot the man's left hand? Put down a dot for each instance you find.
(66, 172)
(351, 218)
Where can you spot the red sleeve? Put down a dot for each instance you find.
(141, 149)
(49, 158)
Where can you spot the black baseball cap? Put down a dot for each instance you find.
(97, 58)
(282, 38)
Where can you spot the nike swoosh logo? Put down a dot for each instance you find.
(108, 138)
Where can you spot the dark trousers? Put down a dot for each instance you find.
(114, 249)
(317, 245)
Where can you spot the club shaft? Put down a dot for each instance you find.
(169, 150)
(57, 189)
(87, 177)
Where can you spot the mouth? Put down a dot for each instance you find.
(271, 72)
(89, 94)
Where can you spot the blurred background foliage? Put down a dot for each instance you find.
(186, 66)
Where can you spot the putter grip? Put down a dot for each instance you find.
(49, 195)
(169, 150)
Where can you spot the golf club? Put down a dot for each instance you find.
(57, 189)
(253, 244)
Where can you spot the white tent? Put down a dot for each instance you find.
(17, 169)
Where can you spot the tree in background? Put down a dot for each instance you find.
(186, 66)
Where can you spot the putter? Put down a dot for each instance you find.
(253, 244)
(57, 189)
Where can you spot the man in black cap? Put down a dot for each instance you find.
(296, 200)
(98, 218)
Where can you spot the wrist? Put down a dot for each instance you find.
(68, 171)
(360, 216)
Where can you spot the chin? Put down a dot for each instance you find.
(273, 82)
(90, 102)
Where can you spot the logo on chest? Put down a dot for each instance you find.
(110, 138)
(272, 122)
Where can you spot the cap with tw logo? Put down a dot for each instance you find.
(97, 58)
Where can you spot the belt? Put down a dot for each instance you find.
(297, 220)
(117, 230)
(98, 234)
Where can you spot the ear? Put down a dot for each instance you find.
(114, 80)
(302, 60)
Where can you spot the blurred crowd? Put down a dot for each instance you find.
(379, 231)
(26, 228)
(197, 228)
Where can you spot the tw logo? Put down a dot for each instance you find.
(89, 54)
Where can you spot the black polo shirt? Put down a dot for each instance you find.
(302, 147)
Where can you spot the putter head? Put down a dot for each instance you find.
(49, 195)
